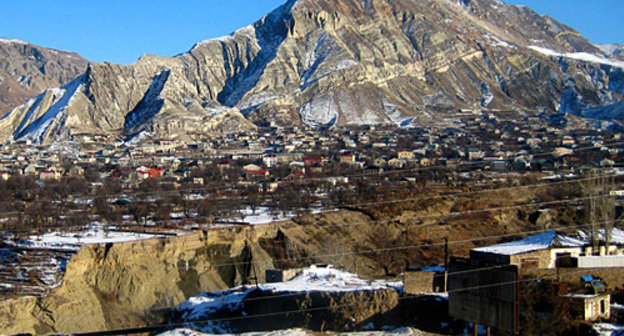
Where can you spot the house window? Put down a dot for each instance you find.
(602, 307)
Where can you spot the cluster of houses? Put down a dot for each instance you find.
(480, 141)
(488, 287)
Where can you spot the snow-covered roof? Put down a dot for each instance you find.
(550, 239)
(536, 242)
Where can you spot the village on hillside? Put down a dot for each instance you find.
(101, 190)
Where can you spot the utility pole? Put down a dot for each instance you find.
(446, 264)
(446, 253)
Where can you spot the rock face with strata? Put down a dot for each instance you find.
(322, 63)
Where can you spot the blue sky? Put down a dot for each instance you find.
(120, 31)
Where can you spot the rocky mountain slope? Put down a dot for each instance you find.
(26, 70)
(322, 63)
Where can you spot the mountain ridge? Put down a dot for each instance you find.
(27, 69)
(319, 63)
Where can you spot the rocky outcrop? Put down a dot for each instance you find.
(323, 63)
(26, 70)
(116, 286)
(317, 310)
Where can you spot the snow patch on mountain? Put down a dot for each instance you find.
(496, 41)
(11, 41)
(395, 115)
(571, 102)
(318, 58)
(580, 56)
(320, 112)
(247, 31)
(610, 49)
(555, 27)
(257, 99)
(352, 110)
(486, 95)
(62, 98)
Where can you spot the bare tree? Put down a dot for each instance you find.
(599, 208)
(382, 241)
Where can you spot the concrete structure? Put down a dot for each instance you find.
(599, 262)
(276, 275)
(484, 296)
(424, 281)
(485, 288)
(590, 307)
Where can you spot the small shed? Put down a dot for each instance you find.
(591, 307)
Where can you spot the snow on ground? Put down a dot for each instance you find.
(327, 279)
(207, 303)
(261, 215)
(609, 329)
(94, 234)
(581, 56)
(312, 279)
(299, 332)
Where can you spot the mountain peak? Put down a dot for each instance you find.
(322, 63)
(26, 70)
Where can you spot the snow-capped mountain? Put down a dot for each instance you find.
(322, 63)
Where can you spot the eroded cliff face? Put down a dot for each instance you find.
(323, 63)
(127, 285)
